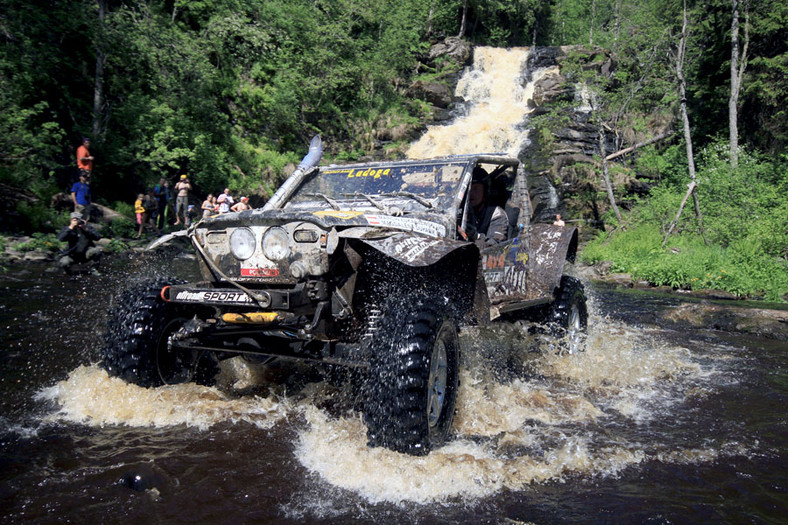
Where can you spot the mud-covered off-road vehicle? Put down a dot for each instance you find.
(371, 266)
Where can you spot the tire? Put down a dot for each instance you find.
(135, 344)
(413, 378)
(568, 315)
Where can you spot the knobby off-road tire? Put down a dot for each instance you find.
(568, 315)
(135, 344)
(413, 378)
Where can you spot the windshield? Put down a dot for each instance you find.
(417, 186)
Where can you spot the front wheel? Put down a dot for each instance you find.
(136, 345)
(568, 315)
(413, 379)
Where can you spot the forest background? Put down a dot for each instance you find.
(231, 91)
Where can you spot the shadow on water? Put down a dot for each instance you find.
(647, 425)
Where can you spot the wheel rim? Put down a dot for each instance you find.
(438, 382)
(174, 366)
(574, 329)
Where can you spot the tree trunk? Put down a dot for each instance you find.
(97, 126)
(687, 136)
(593, 20)
(738, 64)
(733, 101)
(639, 145)
(464, 19)
(606, 175)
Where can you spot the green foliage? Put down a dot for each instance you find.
(116, 246)
(120, 228)
(36, 217)
(124, 208)
(745, 214)
(46, 242)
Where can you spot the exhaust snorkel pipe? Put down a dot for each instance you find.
(293, 181)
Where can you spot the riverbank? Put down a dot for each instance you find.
(696, 309)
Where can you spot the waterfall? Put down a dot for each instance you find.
(497, 90)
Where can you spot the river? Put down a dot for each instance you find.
(646, 425)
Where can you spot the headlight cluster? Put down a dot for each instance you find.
(276, 244)
(242, 243)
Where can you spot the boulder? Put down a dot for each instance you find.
(435, 93)
(457, 49)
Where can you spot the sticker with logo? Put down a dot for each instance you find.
(338, 214)
(412, 225)
(259, 272)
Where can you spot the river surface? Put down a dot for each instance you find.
(646, 425)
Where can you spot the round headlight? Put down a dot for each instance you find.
(242, 243)
(275, 244)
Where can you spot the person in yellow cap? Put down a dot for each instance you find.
(183, 187)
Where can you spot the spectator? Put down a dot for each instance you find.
(139, 212)
(152, 208)
(224, 206)
(558, 220)
(228, 197)
(162, 193)
(81, 249)
(143, 209)
(208, 206)
(84, 158)
(192, 213)
(242, 205)
(183, 187)
(80, 195)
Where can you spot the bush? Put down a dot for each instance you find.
(121, 228)
(41, 241)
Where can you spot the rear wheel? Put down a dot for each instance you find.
(413, 378)
(136, 343)
(568, 315)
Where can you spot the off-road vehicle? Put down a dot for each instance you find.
(371, 266)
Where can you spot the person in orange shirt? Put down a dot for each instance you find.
(84, 158)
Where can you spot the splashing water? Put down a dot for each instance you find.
(571, 416)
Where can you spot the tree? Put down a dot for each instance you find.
(682, 85)
(738, 65)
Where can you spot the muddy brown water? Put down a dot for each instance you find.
(647, 426)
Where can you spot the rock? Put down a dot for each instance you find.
(37, 256)
(453, 47)
(435, 93)
(713, 294)
(757, 321)
(620, 279)
(602, 268)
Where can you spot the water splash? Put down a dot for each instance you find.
(91, 397)
(570, 416)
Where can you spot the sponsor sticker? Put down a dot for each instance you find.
(339, 214)
(404, 223)
(211, 296)
(259, 272)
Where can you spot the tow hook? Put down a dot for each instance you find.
(190, 328)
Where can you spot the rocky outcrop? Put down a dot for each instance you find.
(566, 155)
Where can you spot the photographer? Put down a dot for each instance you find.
(79, 236)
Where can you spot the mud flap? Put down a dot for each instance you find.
(550, 247)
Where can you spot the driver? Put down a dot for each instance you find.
(490, 223)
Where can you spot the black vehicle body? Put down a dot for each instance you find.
(348, 263)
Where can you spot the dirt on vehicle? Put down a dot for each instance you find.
(373, 267)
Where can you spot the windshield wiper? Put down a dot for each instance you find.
(418, 198)
(367, 197)
(328, 199)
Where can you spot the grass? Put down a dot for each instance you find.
(688, 263)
